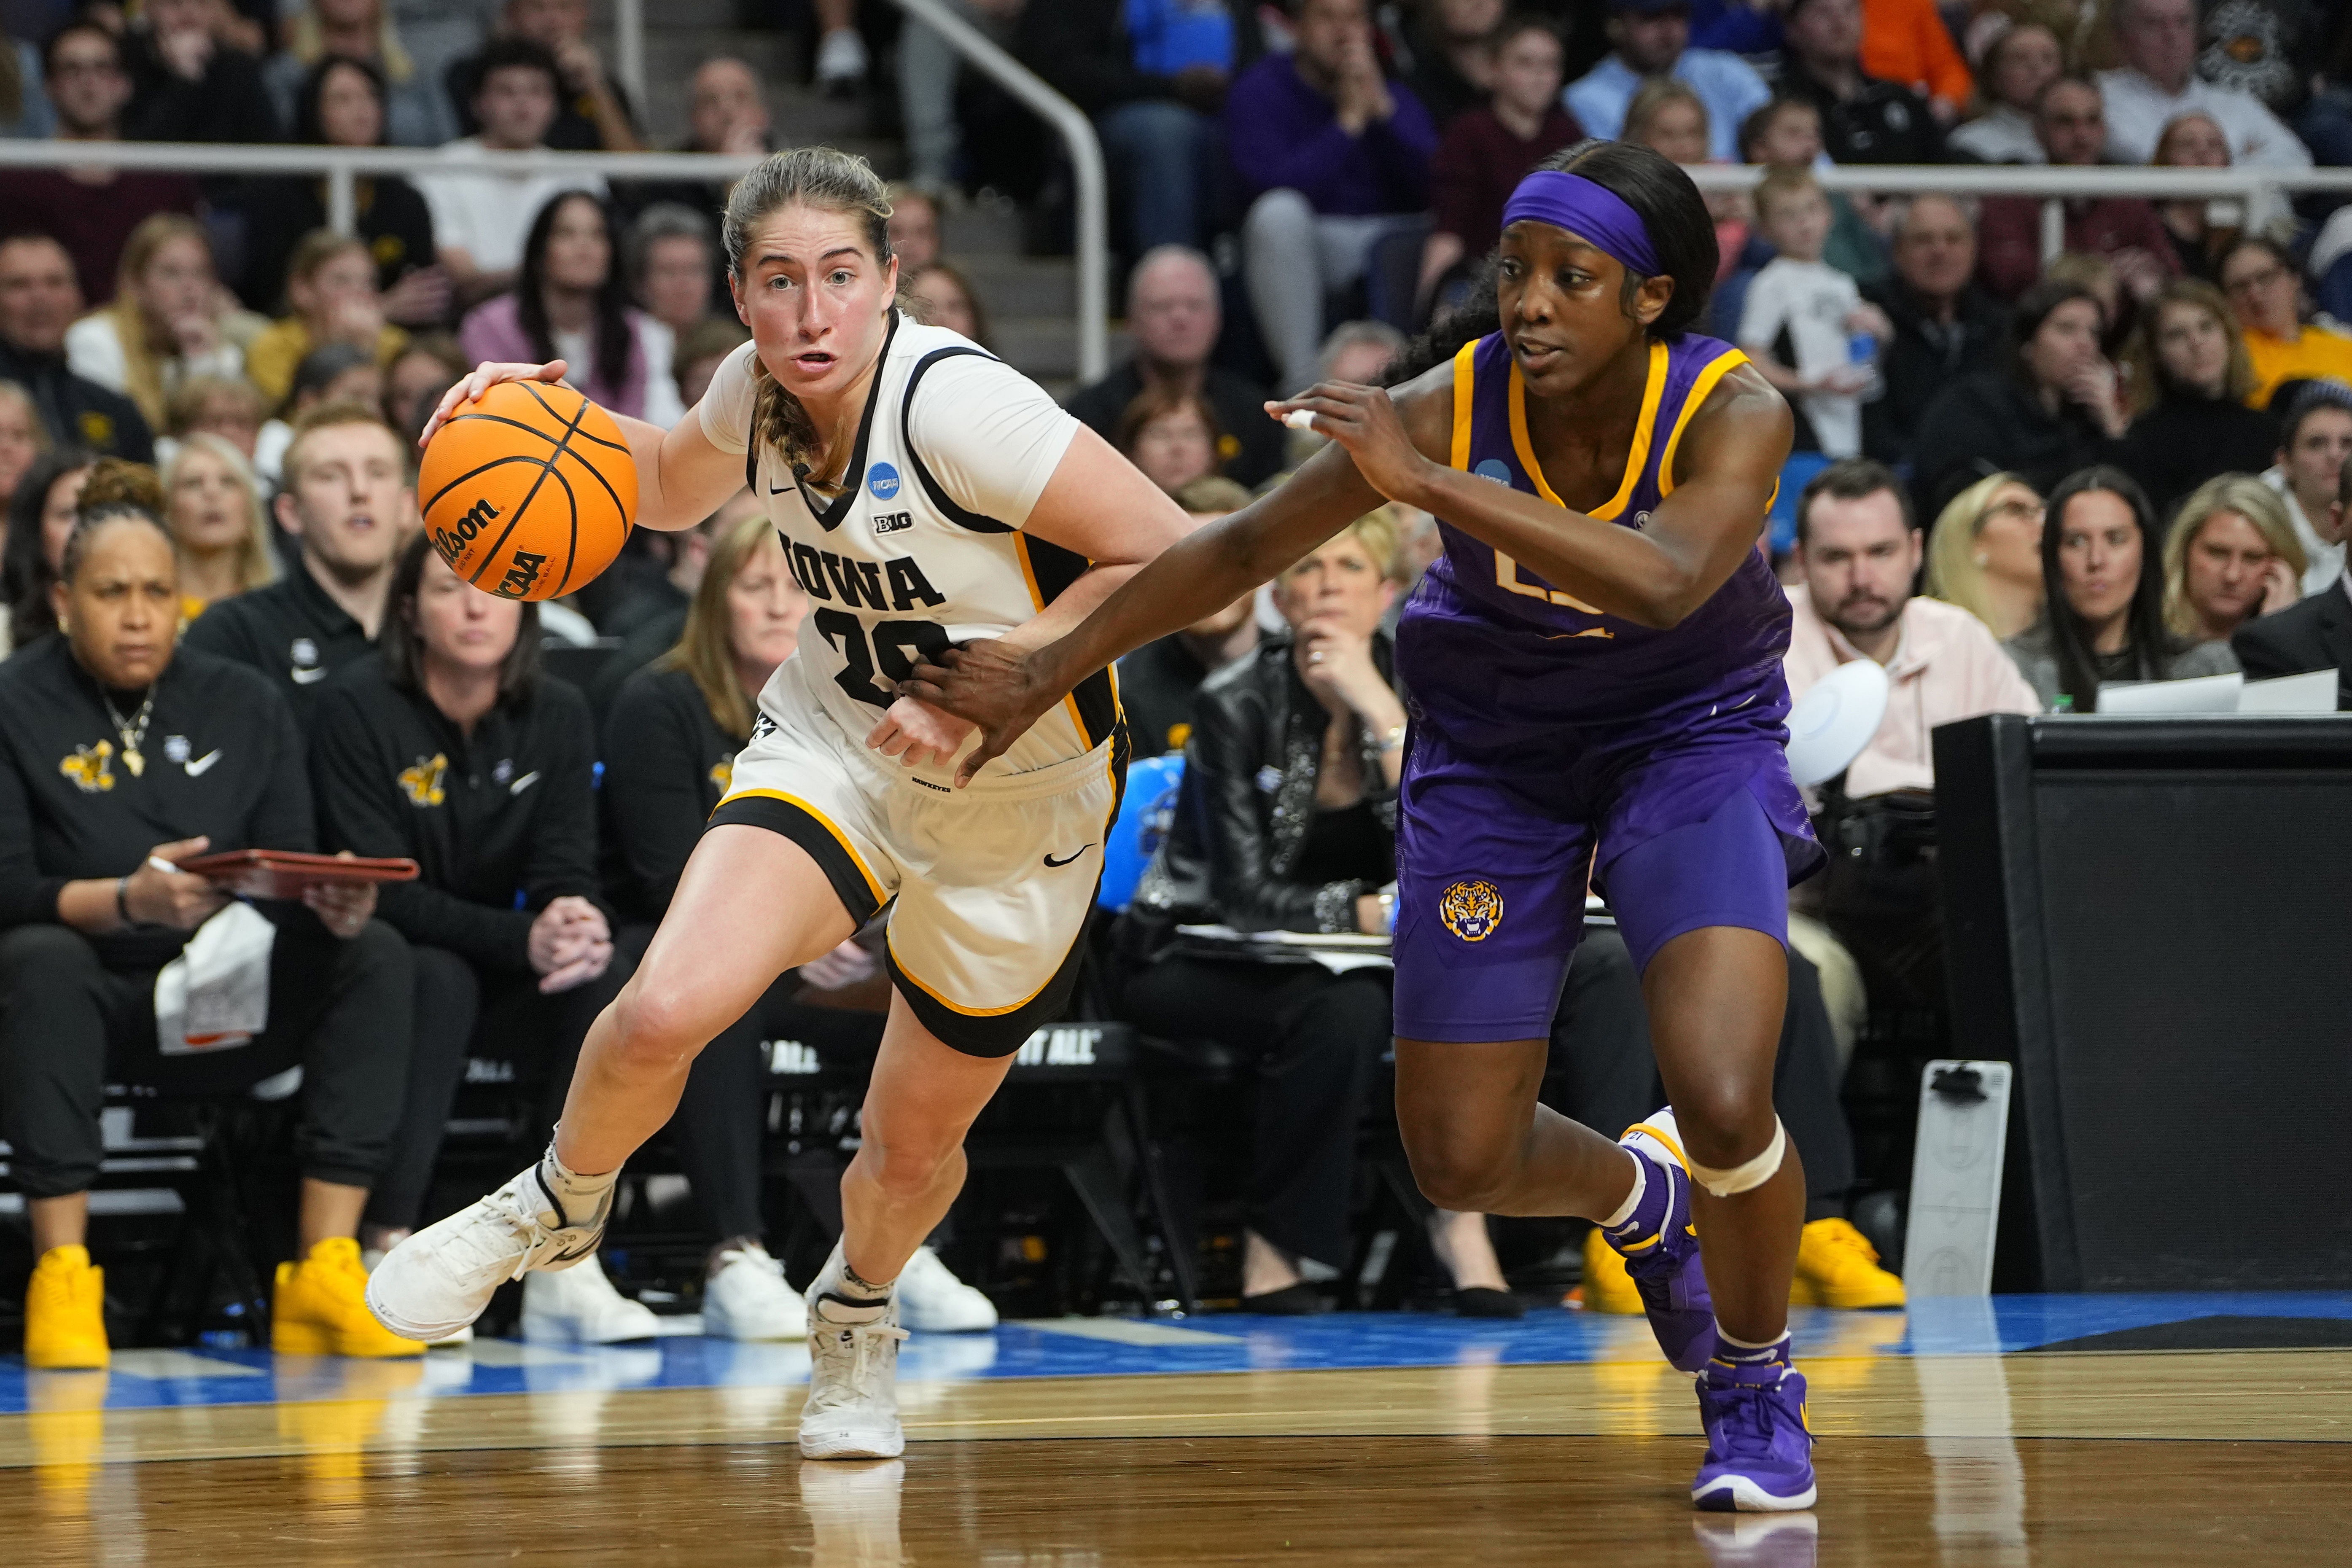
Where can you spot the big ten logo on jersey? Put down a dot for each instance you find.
(1068, 1047)
(450, 540)
(790, 1058)
(894, 522)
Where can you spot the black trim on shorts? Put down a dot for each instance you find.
(991, 1034)
(795, 823)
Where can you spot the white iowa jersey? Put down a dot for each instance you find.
(923, 547)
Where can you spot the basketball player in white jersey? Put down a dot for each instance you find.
(926, 494)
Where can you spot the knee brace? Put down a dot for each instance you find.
(1748, 1174)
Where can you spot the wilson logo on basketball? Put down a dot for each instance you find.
(451, 542)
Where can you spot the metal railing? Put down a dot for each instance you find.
(1077, 133)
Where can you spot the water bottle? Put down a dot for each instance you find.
(1861, 349)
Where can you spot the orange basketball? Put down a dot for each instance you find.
(527, 490)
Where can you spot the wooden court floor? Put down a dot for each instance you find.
(2161, 1458)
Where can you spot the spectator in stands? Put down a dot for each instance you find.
(1489, 148)
(40, 517)
(1332, 157)
(726, 112)
(220, 535)
(1789, 131)
(2016, 66)
(2189, 376)
(914, 229)
(1861, 552)
(170, 320)
(2203, 230)
(102, 734)
(1357, 351)
(331, 295)
(571, 303)
(25, 111)
(1984, 554)
(670, 744)
(1153, 96)
(1945, 325)
(1671, 120)
(89, 209)
(2230, 555)
(23, 440)
(2101, 565)
(341, 103)
(190, 82)
(944, 297)
(839, 69)
(418, 376)
(1170, 437)
(2125, 229)
(592, 113)
(2314, 445)
(1287, 821)
(448, 746)
(1156, 682)
(1864, 119)
(2265, 289)
(1652, 39)
(416, 112)
(700, 350)
(227, 407)
(649, 616)
(334, 373)
(38, 303)
(2157, 82)
(1451, 46)
(1174, 315)
(480, 221)
(1908, 41)
(346, 492)
(1801, 315)
(672, 264)
(2315, 633)
(2052, 410)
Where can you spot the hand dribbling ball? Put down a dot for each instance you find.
(527, 490)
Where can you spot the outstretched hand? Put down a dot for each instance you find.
(485, 377)
(992, 686)
(1364, 420)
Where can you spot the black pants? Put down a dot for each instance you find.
(1606, 1075)
(1316, 1037)
(70, 1025)
(463, 1010)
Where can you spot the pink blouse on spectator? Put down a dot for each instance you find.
(642, 389)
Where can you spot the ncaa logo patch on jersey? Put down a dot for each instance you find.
(1493, 469)
(1470, 911)
(883, 481)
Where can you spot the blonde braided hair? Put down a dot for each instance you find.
(819, 177)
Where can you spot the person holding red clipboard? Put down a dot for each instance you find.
(110, 742)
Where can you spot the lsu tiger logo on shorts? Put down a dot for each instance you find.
(1470, 911)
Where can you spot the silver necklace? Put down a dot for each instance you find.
(133, 731)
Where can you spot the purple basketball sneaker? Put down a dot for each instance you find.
(1759, 1452)
(1661, 1248)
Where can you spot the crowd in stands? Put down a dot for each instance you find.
(2015, 484)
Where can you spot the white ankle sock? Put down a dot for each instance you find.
(1736, 1349)
(577, 1197)
(838, 1279)
(1633, 1198)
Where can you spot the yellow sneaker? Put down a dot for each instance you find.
(320, 1308)
(1607, 1287)
(65, 1312)
(1837, 1266)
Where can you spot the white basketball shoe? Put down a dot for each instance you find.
(932, 1300)
(749, 1299)
(580, 1306)
(439, 1280)
(852, 1410)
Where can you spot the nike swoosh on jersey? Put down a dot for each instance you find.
(201, 765)
(1068, 859)
(307, 677)
(523, 782)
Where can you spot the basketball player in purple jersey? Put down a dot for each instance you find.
(1593, 672)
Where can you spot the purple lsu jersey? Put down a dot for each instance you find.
(1558, 659)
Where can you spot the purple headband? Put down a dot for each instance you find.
(1591, 212)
